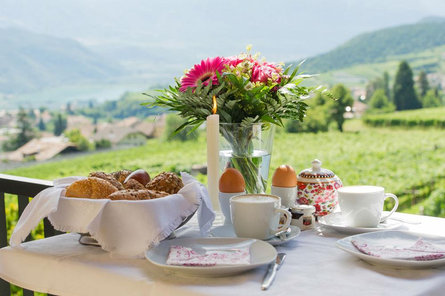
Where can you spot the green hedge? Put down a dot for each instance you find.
(431, 117)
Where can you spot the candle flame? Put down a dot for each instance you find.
(215, 106)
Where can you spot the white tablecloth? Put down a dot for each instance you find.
(314, 266)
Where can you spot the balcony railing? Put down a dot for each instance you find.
(23, 188)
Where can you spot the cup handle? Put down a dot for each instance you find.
(387, 195)
(286, 224)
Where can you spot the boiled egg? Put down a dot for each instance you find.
(231, 181)
(284, 176)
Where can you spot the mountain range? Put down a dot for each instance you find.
(380, 46)
(30, 61)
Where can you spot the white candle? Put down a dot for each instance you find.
(213, 158)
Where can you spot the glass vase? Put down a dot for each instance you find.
(247, 148)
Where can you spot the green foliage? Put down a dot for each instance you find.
(404, 94)
(337, 108)
(102, 144)
(431, 99)
(60, 124)
(378, 83)
(26, 132)
(424, 85)
(432, 117)
(129, 104)
(75, 137)
(435, 205)
(386, 87)
(42, 125)
(317, 119)
(379, 46)
(380, 103)
(238, 100)
(172, 123)
(323, 110)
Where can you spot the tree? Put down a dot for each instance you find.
(404, 95)
(386, 85)
(69, 109)
(378, 83)
(430, 100)
(424, 86)
(373, 85)
(24, 125)
(318, 118)
(78, 139)
(380, 102)
(25, 134)
(59, 125)
(338, 107)
(42, 125)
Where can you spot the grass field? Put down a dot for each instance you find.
(406, 162)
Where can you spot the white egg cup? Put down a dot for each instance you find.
(224, 204)
(288, 195)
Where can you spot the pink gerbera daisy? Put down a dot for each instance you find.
(204, 72)
(264, 72)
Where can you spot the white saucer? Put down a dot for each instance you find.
(261, 253)
(227, 231)
(336, 222)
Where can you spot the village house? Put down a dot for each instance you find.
(42, 149)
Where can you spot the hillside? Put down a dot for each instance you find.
(380, 46)
(431, 61)
(129, 104)
(31, 61)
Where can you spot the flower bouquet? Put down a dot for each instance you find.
(251, 95)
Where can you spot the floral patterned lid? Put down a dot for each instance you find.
(316, 172)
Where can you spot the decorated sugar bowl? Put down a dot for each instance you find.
(318, 187)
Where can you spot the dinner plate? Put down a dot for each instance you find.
(392, 238)
(336, 222)
(261, 253)
(227, 231)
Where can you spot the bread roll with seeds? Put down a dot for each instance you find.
(167, 182)
(121, 175)
(107, 177)
(133, 184)
(130, 194)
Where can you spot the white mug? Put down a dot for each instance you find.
(362, 206)
(258, 215)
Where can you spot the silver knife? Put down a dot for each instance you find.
(272, 271)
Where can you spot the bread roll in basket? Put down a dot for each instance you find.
(126, 221)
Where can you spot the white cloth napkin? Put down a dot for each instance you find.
(421, 250)
(122, 227)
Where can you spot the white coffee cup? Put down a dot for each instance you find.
(258, 215)
(362, 205)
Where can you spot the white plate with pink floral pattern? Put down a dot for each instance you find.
(196, 256)
(336, 222)
(398, 249)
